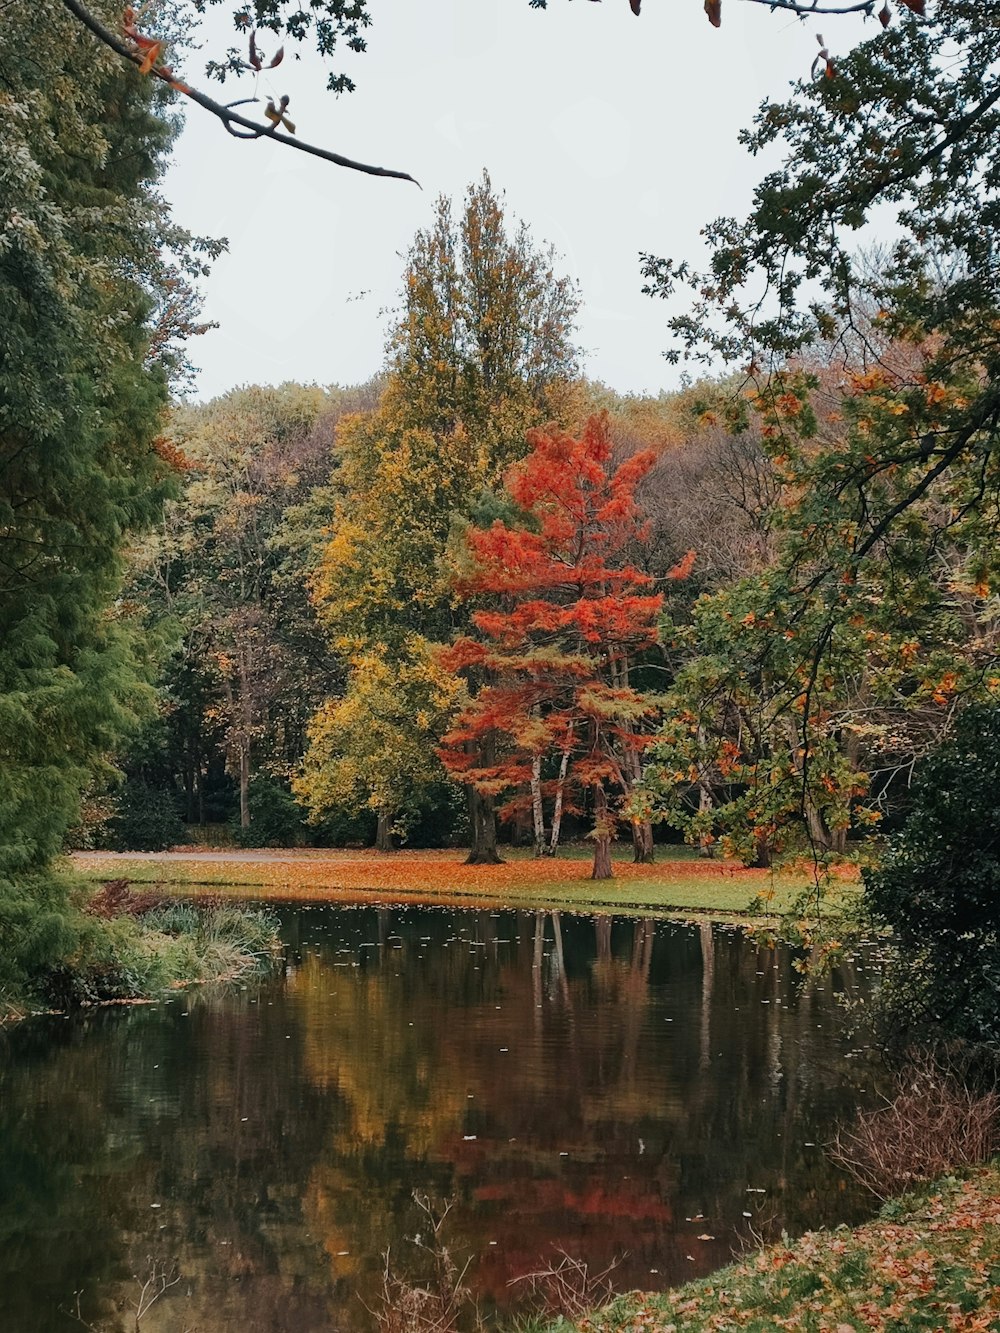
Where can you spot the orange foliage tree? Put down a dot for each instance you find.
(553, 659)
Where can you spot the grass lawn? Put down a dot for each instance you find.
(930, 1261)
(678, 882)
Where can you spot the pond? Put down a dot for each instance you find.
(632, 1089)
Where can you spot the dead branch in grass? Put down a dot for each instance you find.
(568, 1288)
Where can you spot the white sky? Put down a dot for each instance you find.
(608, 134)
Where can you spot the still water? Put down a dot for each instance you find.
(614, 1087)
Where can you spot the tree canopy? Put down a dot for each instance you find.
(871, 379)
(556, 653)
(482, 351)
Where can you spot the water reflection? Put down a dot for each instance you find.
(602, 1085)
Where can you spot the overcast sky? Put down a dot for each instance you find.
(608, 134)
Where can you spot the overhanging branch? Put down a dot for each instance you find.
(805, 10)
(225, 114)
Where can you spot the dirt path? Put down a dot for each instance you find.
(255, 855)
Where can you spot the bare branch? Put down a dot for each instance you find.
(808, 10)
(225, 114)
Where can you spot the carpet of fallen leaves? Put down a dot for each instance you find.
(928, 1262)
(441, 877)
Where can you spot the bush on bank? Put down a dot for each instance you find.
(118, 945)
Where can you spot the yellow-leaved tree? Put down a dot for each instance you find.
(375, 747)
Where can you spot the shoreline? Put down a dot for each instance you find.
(927, 1260)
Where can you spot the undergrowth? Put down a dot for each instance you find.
(134, 946)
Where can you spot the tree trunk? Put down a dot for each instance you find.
(198, 767)
(244, 782)
(602, 835)
(706, 849)
(383, 831)
(557, 809)
(483, 822)
(537, 810)
(819, 834)
(190, 784)
(642, 842)
(246, 730)
(762, 861)
(237, 750)
(642, 831)
(482, 818)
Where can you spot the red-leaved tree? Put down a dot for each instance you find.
(553, 663)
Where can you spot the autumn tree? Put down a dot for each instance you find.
(799, 710)
(557, 655)
(921, 427)
(482, 351)
(374, 748)
(222, 579)
(874, 382)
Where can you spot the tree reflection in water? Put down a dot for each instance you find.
(602, 1085)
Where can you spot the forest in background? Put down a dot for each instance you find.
(484, 592)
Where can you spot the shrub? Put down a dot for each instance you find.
(37, 924)
(174, 917)
(938, 888)
(91, 828)
(120, 959)
(442, 820)
(344, 829)
(934, 1124)
(132, 957)
(115, 897)
(145, 819)
(276, 818)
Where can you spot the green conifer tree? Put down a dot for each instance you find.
(87, 318)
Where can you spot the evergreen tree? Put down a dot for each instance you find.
(82, 284)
